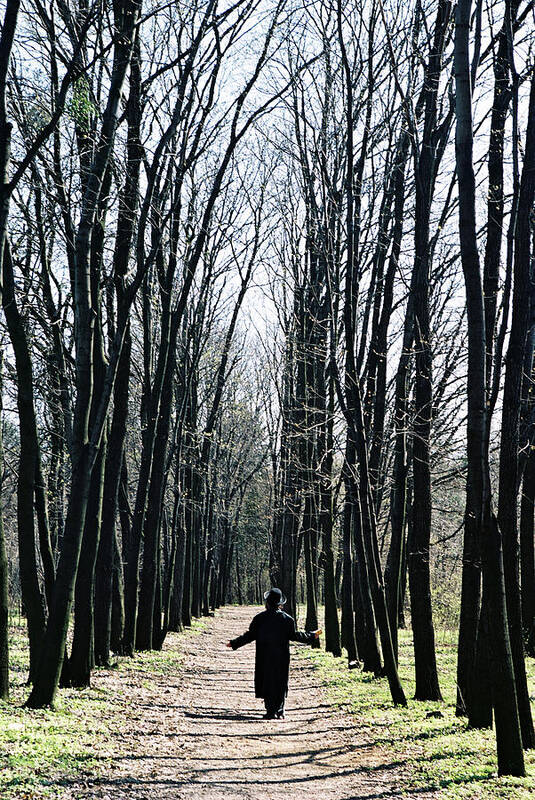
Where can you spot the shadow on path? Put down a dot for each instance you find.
(200, 735)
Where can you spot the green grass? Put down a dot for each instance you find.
(160, 663)
(40, 748)
(41, 751)
(440, 753)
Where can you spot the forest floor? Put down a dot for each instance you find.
(184, 723)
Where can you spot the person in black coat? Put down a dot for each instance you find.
(273, 630)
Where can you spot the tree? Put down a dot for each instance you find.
(86, 439)
(359, 486)
(510, 430)
(4, 578)
(508, 739)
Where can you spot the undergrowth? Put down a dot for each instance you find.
(436, 750)
(43, 751)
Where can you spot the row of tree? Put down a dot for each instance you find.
(169, 172)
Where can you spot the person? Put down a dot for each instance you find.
(273, 630)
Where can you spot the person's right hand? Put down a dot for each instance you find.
(317, 633)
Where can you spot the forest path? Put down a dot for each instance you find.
(200, 735)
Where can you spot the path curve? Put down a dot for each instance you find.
(201, 735)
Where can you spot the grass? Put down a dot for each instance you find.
(42, 751)
(437, 752)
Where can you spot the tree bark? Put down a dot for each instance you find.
(510, 430)
(398, 496)
(427, 686)
(152, 522)
(82, 660)
(32, 598)
(112, 479)
(348, 639)
(7, 37)
(117, 605)
(332, 625)
(527, 554)
(508, 737)
(4, 575)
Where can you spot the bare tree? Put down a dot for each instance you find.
(509, 743)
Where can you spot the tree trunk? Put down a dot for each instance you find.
(311, 619)
(32, 598)
(471, 576)
(152, 521)
(9, 26)
(177, 589)
(348, 611)
(153, 394)
(427, 687)
(112, 479)
(238, 579)
(398, 498)
(82, 658)
(510, 434)
(117, 600)
(4, 574)
(527, 554)
(109, 607)
(53, 647)
(480, 708)
(427, 162)
(508, 737)
(332, 625)
(196, 543)
(188, 561)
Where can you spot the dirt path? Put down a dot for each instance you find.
(201, 735)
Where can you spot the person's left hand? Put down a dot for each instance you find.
(228, 644)
(317, 633)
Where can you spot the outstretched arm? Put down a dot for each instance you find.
(304, 637)
(245, 638)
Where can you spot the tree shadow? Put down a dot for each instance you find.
(223, 714)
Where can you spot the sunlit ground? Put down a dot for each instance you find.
(437, 751)
(41, 750)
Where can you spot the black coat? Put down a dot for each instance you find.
(272, 630)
